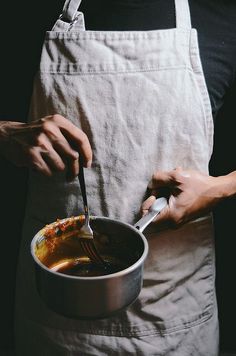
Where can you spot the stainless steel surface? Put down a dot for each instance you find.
(155, 210)
(100, 296)
(86, 233)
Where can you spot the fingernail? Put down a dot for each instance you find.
(185, 174)
(76, 155)
(89, 164)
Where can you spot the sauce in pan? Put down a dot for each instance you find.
(85, 268)
(60, 251)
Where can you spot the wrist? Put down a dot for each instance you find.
(4, 137)
(226, 185)
(3, 131)
(7, 129)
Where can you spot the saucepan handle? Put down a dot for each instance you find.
(154, 210)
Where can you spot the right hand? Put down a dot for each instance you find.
(50, 144)
(191, 194)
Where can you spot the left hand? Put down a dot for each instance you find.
(191, 195)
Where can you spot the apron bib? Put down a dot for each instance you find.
(141, 98)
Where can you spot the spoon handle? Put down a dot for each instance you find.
(83, 187)
(154, 210)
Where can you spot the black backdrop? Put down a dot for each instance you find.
(22, 31)
(224, 161)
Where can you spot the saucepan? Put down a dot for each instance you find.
(88, 294)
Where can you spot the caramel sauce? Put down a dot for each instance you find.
(60, 251)
(80, 268)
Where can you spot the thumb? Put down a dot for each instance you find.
(146, 205)
(161, 217)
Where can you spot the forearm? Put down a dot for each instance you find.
(4, 135)
(226, 187)
(7, 128)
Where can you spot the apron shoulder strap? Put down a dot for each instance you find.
(70, 8)
(70, 18)
(183, 17)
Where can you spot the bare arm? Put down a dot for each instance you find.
(47, 145)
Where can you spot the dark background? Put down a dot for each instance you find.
(223, 162)
(23, 25)
(22, 32)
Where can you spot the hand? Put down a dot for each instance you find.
(191, 194)
(47, 145)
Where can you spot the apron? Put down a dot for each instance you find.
(141, 98)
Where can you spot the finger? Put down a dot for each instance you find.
(160, 179)
(69, 156)
(162, 218)
(64, 149)
(73, 170)
(78, 138)
(36, 162)
(53, 160)
(48, 154)
(147, 204)
(83, 146)
(163, 179)
(59, 154)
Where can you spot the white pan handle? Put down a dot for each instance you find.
(153, 211)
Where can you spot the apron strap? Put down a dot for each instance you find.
(70, 19)
(70, 8)
(183, 17)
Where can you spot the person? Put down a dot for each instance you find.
(135, 105)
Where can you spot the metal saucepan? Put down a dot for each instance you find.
(97, 296)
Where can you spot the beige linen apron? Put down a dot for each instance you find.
(141, 98)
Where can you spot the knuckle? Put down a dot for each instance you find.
(60, 166)
(47, 127)
(39, 141)
(177, 220)
(73, 155)
(45, 119)
(174, 175)
(57, 117)
(50, 120)
(83, 137)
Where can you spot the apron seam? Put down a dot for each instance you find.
(198, 70)
(158, 330)
(111, 35)
(93, 72)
